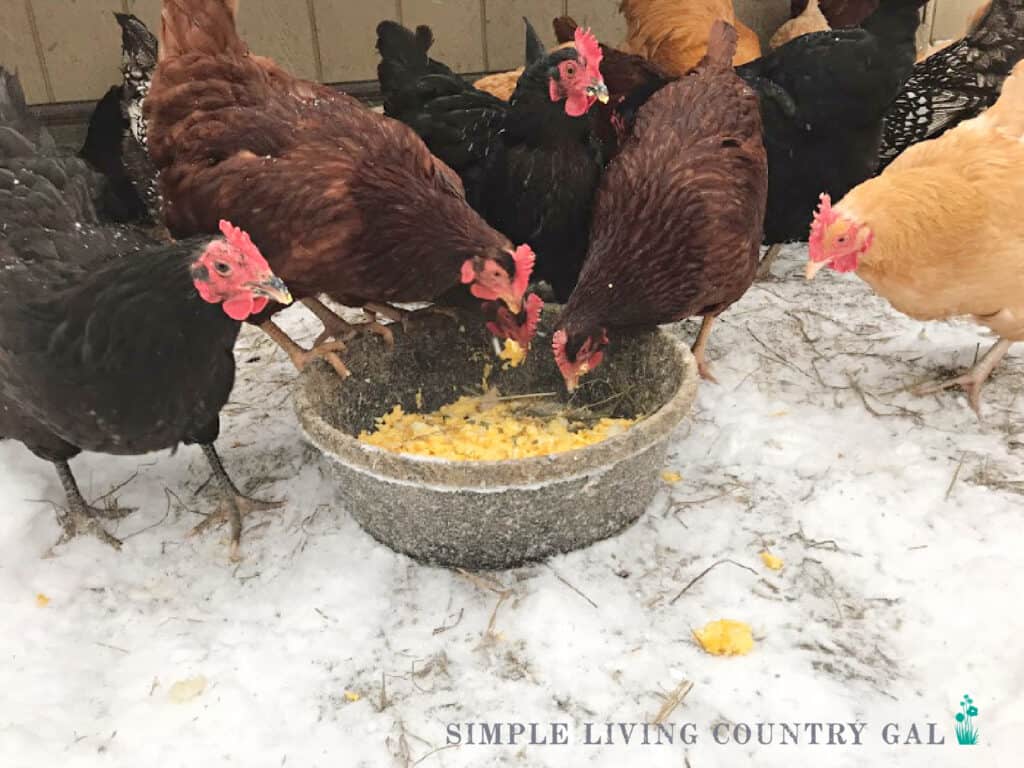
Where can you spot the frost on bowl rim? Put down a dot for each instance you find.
(491, 514)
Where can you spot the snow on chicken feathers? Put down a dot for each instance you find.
(677, 224)
(938, 233)
(109, 340)
(342, 200)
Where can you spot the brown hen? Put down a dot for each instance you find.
(678, 219)
(343, 201)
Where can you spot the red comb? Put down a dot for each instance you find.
(524, 259)
(558, 342)
(534, 305)
(240, 241)
(588, 48)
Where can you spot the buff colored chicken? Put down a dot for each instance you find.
(673, 34)
(503, 84)
(939, 234)
(811, 20)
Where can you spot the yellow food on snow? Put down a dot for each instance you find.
(725, 637)
(352, 696)
(186, 690)
(486, 429)
(513, 354)
(42, 600)
(771, 561)
(671, 477)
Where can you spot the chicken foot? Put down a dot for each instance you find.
(765, 267)
(972, 381)
(80, 517)
(700, 346)
(233, 506)
(338, 328)
(405, 316)
(302, 357)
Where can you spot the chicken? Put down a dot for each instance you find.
(810, 20)
(957, 83)
(503, 84)
(674, 34)
(677, 224)
(631, 79)
(342, 200)
(823, 97)
(110, 341)
(839, 13)
(116, 141)
(938, 234)
(531, 165)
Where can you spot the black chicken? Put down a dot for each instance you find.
(530, 166)
(957, 83)
(110, 341)
(823, 97)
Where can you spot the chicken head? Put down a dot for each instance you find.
(232, 272)
(579, 354)
(500, 275)
(577, 78)
(837, 241)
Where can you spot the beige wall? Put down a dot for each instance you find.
(68, 50)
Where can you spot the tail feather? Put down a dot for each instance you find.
(403, 55)
(201, 26)
(721, 44)
(21, 133)
(138, 44)
(565, 29)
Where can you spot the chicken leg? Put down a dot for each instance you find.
(700, 346)
(234, 505)
(302, 357)
(336, 327)
(405, 316)
(972, 381)
(80, 517)
(765, 267)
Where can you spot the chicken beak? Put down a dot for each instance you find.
(273, 288)
(514, 303)
(813, 267)
(599, 91)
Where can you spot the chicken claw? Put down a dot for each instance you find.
(302, 357)
(972, 381)
(80, 518)
(336, 327)
(233, 506)
(407, 317)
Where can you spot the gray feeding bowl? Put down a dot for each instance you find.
(494, 514)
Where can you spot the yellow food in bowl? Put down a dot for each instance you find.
(513, 354)
(487, 429)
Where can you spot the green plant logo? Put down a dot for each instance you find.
(966, 733)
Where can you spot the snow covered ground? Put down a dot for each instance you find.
(900, 520)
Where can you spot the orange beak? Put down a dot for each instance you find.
(813, 268)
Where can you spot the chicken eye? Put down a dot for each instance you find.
(841, 240)
(570, 70)
(222, 268)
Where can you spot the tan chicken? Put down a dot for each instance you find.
(939, 234)
(811, 20)
(503, 84)
(673, 34)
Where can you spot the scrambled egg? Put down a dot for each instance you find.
(186, 690)
(771, 561)
(670, 477)
(42, 600)
(352, 696)
(725, 637)
(513, 354)
(486, 429)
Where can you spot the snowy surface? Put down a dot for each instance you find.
(900, 520)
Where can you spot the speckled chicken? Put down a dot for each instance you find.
(958, 82)
(677, 225)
